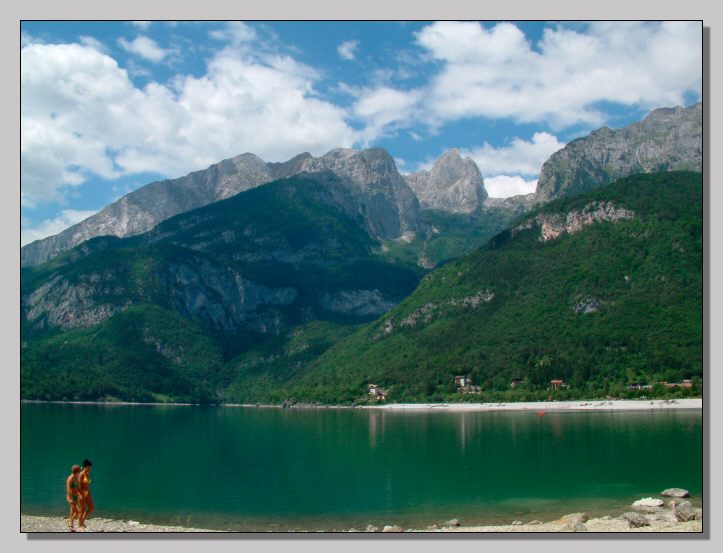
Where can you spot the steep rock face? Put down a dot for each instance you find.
(668, 139)
(198, 289)
(381, 197)
(220, 297)
(61, 304)
(453, 184)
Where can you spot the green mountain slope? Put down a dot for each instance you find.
(609, 303)
(160, 315)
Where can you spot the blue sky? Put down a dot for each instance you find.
(107, 107)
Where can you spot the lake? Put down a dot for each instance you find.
(245, 468)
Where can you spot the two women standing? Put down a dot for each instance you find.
(77, 491)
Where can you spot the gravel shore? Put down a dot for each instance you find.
(56, 524)
(661, 521)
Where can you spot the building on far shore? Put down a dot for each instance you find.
(462, 380)
(470, 389)
(557, 384)
(516, 382)
(376, 392)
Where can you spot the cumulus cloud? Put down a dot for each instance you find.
(81, 115)
(520, 157)
(496, 72)
(49, 227)
(234, 32)
(504, 186)
(145, 47)
(347, 49)
(383, 109)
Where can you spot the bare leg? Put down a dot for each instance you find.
(90, 505)
(73, 515)
(81, 514)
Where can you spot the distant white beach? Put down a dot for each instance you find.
(545, 406)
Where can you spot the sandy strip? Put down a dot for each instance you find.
(546, 406)
(663, 521)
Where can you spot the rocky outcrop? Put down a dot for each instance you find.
(453, 184)
(426, 313)
(668, 139)
(359, 303)
(553, 225)
(381, 198)
(60, 303)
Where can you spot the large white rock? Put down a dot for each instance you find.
(648, 502)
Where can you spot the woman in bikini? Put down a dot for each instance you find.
(71, 495)
(85, 502)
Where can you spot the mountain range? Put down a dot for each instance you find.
(249, 279)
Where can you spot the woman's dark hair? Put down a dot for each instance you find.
(87, 463)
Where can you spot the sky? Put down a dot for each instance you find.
(107, 107)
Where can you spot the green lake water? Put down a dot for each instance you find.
(333, 469)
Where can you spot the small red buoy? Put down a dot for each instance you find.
(540, 413)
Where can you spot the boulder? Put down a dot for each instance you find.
(453, 522)
(393, 529)
(371, 528)
(648, 502)
(517, 523)
(684, 511)
(535, 522)
(574, 522)
(675, 492)
(433, 527)
(575, 518)
(635, 520)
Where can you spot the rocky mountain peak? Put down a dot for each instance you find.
(452, 184)
(382, 198)
(386, 203)
(668, 139)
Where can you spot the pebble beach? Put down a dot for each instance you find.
(663, 520)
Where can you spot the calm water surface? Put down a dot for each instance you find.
(276, 469)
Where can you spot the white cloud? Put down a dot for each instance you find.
(82, 115)
(497, 73)
(145, 47)
(143, 25)
(93, 43)
(234, 32)
(521, 157)
(347, 49)
(504, 186)
(50, 227)
(382, 109)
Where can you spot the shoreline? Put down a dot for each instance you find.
(537, 406)
(661, 520)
